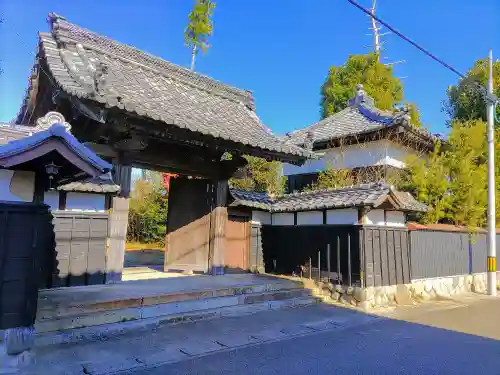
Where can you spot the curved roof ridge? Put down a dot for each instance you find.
(62, 29)
(379, 184)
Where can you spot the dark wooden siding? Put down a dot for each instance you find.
(385, 256)
(26, 245)
(446, 253)
(80, 251)
(256, 258)
(287, 248)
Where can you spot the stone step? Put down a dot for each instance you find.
(120, 322)
(50, 309)
(119, 312)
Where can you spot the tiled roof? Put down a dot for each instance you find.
(251, 199)
(358, 118)
(408, 202)
(101, 184)
(90, 66)
(365, 195)
(59, 131)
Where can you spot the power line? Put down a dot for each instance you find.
(488, 97)
(368, 12)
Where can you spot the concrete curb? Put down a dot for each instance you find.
(105, 331)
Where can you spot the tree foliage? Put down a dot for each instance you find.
(465, 100)
(332, 178)
(377, 79)
(199, 28)
(453, 180)
(147, 213)
(262, 176)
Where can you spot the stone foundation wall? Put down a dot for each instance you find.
(403, 294)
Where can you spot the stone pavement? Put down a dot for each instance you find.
(409, 337)
(430, 342)
(475, 314)
(153, 347)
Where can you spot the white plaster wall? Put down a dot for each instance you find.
(51, 198)
(261, 217)
(381, 152)
(375, 217)
(282, 219)
(17, 186)
(309, 218)
(342, 216)
(395, 218)
(85, 202)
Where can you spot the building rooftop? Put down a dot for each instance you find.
(365, 195)
(93, 67)
(359, 117)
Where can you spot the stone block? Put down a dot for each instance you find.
(188, 306)
(88, 319)
(403, 295)
(18, 340)
(428, 285)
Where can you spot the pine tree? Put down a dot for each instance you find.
(199, 28)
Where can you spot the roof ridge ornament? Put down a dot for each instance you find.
(402, 116)
(97, 70)
(51, 118)
(361, 97)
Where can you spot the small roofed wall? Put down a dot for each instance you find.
(342, 216)
(310, 218)
(283, 219)
(17, 186)
(261, 217)
(77, 201)
(381, 152)
(395, 219)
(375, 217)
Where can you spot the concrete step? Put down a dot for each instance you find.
(50, 307)
(107, 324)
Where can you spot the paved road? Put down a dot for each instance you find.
(385, 346)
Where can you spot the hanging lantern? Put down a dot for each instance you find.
(51, 170)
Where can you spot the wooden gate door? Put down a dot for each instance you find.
(188, 225)
(237, 243)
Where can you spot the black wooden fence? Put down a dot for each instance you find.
(80, 249)
(256, 263)
(346, 254)
(385, 258)
(25, 234)
(445, 253)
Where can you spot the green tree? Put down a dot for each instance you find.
(428, 181)
(332, 178)
(467, 164)
(147, 213)
(377, 79)
(262, 176)
(414, 115)
(199, 28)
(452, 181)
(465, 100)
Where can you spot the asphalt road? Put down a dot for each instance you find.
(387, 346)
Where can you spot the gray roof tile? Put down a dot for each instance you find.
(101, 184)
(358, 118)
(371, 195)
(151, 87)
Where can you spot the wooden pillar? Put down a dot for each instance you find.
(117, 232)
(118, 221)
(218, 228)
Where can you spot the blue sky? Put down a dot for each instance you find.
(281, 51)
